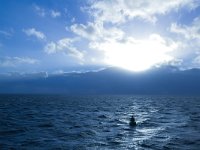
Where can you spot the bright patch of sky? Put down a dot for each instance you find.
(71, 35)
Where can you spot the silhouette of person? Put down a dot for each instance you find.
(132, 121)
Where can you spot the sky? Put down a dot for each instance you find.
(78, 35)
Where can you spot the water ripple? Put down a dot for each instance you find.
(99, 122)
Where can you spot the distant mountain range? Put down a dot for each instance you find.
(164, 80)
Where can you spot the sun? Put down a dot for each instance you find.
(138, 55)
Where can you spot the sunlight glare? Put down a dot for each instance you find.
(138, 55)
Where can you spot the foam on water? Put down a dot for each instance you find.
(99, 122)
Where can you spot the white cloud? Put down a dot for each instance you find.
(189, 38)
(34, 32)
(14, 61)
(196, 61)
(55, 14)
(118, 11)
(87, 31)
(176, 62)
(45, 12)
(40, 11)
(95, 31)
(5, 33)
(189, 32)
(73, 19)
(64, 45)
(50, 48)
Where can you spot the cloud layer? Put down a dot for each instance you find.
(15, 61)
(119, 11)
(106, 31)
(132, 34)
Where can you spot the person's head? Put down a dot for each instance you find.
(132, 118)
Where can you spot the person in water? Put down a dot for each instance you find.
(132, 122)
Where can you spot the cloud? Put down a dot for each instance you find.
(55, 14)
(196, 61)
(189, 38)
(87, 31)
(119, 11)
(5, 33)
(107, 33)
(132, 53)
(95, 31)
(63, 45)
(40, 11)
(107, 39)
(73, 19)
(15, 61)
(45, 12)
(190, 32)
(50, 48)
(33, 32)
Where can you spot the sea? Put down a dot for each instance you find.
(99, 122)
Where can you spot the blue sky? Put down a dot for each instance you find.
(67, 35)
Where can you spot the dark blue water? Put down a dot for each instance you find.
(99, 122)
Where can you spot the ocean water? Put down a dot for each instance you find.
(99, 122)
